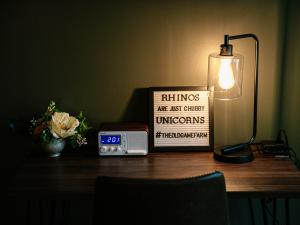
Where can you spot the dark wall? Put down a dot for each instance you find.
(290, 100)
(93, 56)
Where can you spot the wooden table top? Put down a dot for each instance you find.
(75, 174)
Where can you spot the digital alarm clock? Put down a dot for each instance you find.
(118, 139)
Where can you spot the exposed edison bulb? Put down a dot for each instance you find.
(226, 78)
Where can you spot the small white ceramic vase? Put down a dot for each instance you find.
(54, 147)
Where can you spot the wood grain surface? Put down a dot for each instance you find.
(73, 175)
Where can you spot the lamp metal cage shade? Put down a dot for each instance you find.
(225, 75)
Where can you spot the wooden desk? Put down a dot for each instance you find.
(74, 175)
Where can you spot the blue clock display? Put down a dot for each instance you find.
(110, 139)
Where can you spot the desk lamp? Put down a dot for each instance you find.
(225, 76)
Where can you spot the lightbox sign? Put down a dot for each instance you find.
(181, 118)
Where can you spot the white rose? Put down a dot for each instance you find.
(62, 125)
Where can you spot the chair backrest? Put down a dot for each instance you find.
(189, 201)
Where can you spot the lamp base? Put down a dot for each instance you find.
(242, 156)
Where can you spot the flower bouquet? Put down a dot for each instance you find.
(54, 129)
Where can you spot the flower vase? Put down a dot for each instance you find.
(54, 147)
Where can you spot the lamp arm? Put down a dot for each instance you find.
(255, 80)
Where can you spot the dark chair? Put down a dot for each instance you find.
(189, 201)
